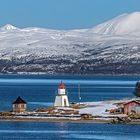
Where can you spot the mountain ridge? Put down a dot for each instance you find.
(120, 25)
(85, 51)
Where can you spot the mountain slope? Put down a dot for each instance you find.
(122, 25)
(109, 48)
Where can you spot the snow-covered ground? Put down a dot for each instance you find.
(99, 108)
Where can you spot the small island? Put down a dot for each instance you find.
(125, 111)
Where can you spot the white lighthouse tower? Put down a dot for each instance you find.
(61, 98)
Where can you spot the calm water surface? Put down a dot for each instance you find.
(39, 91)
(67, 131)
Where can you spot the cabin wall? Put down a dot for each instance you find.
(19, 108)
(130, 106)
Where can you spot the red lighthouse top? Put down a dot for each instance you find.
(61, 86)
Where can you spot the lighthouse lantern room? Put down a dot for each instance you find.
(61, 99)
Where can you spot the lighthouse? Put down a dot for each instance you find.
(61, 98)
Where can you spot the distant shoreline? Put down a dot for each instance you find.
(63, 74)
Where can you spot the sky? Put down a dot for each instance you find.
(63, 14)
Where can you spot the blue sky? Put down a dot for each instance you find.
(63, 14)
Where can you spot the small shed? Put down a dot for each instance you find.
(132, 106)
(19, 105)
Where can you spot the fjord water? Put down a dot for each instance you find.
(67, 131)
(40, 91)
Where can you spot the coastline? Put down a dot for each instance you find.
(54, 120)
(62, 120)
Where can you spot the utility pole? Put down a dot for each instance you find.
(79, 96)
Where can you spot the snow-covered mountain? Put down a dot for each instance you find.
(112, 47)
(8, 27)
(125, 24)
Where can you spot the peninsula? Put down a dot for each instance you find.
(111, 111)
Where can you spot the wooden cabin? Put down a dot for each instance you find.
(132, 106)
(19, 105)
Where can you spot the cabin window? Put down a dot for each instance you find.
(22, 105)
(16, 105)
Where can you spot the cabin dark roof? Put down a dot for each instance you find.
(19, 100)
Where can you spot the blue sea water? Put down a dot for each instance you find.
(67, 131)
(40, 91)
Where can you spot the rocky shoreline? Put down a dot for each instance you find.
(69, 120)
